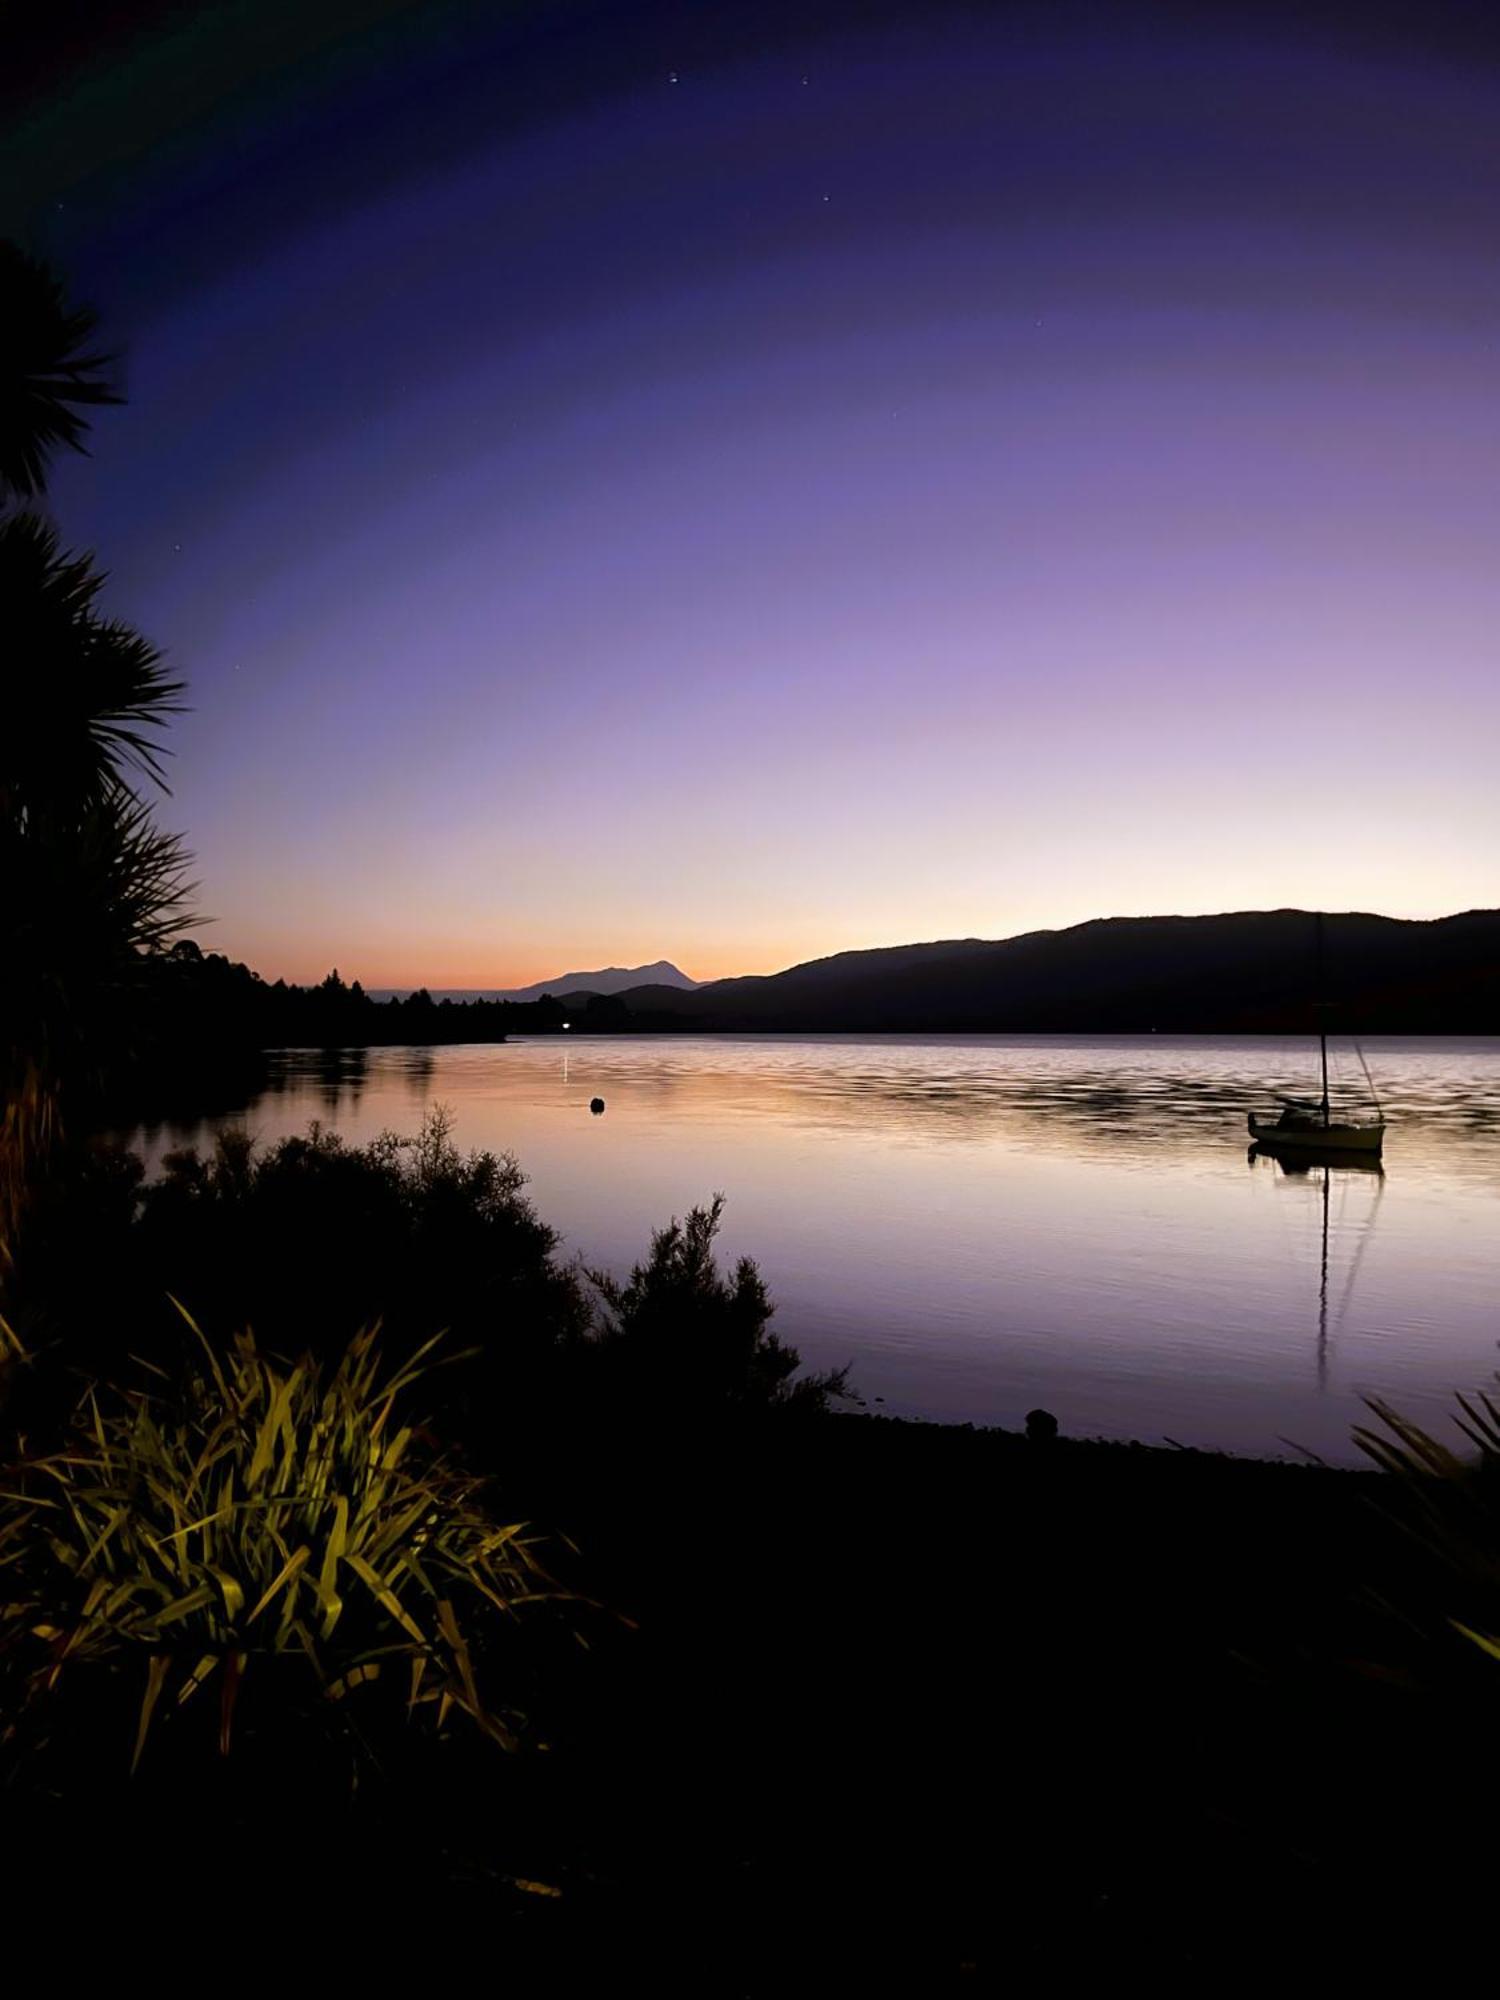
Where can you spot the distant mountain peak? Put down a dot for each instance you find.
(608, 979)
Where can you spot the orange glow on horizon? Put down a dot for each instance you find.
(453, 969)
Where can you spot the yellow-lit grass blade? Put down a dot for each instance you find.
(156, 1674)
(1487, 1645)
(184, 1607)
(233, 1592)
(289, 1571)
(273, 1428)
(197, 1677)
(386, 1598)
(329, 1601)
(356, 1677)
(459, 1653)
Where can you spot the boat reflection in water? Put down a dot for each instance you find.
(1300, 1163)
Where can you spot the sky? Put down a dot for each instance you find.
(735, 484)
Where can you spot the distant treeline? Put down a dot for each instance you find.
(207, 1020)
(209, 989)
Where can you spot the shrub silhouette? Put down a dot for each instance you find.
(679, 1328)
(317, 1238)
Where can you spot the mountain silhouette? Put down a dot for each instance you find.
(1246, 972)
(612, 979)
(661, 974)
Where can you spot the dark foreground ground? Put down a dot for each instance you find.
(907, 1709)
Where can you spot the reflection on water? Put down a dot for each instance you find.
(982, 1224)
(1322, 1171)
(339, 1076)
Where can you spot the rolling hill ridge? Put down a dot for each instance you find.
(1250, 971)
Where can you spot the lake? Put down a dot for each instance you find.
(985, 1224)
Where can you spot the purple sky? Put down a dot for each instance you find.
(932, 480)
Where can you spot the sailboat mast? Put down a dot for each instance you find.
(1322, 1019)
(1323, 1295)
(1323, 1046)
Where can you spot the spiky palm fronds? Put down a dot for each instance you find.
(49, 372)
(82, 906)
(87, 881)
(85, 698)
(195, 1531)
(1450, 1510)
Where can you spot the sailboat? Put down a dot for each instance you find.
(1306, 1127)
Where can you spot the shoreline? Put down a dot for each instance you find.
(1002, 1441)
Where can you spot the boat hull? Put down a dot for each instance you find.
(1276, 1137)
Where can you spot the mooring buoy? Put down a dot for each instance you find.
(596, 1105)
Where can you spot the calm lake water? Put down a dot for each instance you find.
(982, 1224)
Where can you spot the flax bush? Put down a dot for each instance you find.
(251, 1528)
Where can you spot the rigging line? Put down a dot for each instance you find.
(1359, 1253)
(1374, 1093)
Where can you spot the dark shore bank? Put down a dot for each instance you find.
(911, 1708)
(936, 1706)
(862, 1704)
